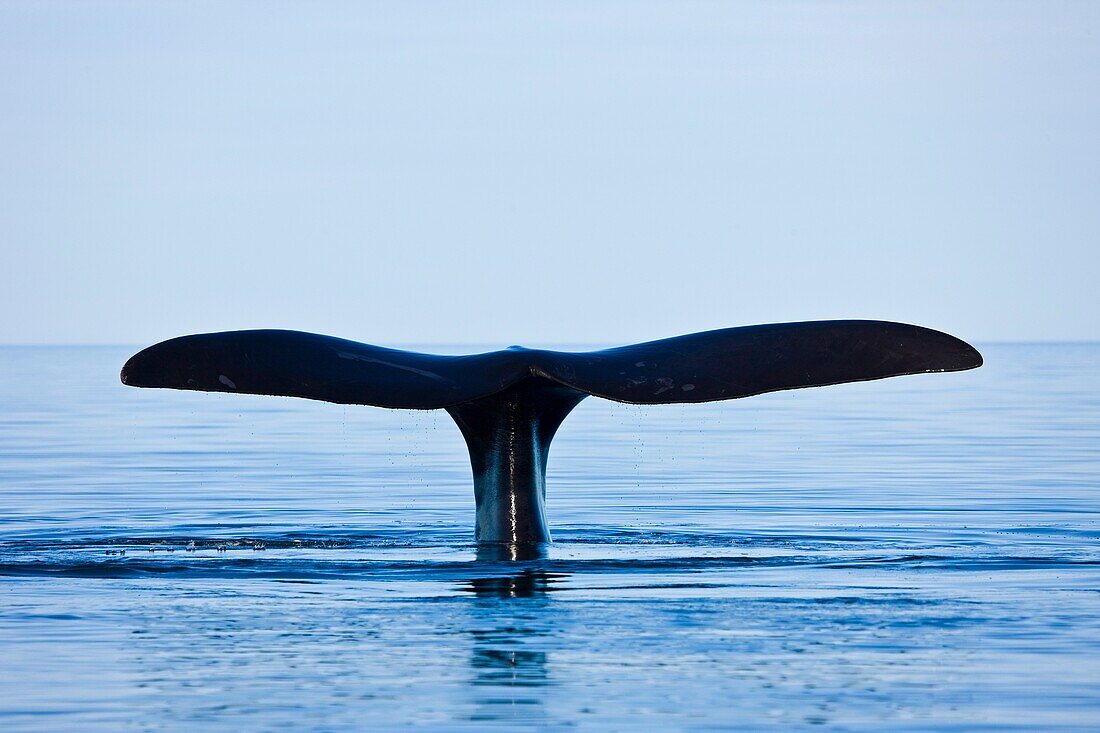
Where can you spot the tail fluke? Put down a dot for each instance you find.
(702, 367)
(751, 360)
(296, 364)
(509, 403)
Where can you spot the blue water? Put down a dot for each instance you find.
(911, 554)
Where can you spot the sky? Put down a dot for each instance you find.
(539, 173)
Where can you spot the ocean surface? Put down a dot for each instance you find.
(917, 554)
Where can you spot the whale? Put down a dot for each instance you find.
(509, 404)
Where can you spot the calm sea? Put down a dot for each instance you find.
(912, 554)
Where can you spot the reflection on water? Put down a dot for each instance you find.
(515, 608)
(502, 552)
(919, 554)
(528, 584)
(507, 667)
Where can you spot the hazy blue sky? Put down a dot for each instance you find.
(517, 172)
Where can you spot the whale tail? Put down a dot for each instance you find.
(508, 404)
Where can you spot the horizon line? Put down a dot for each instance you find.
(594, 344)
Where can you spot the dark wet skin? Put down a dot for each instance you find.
(509, 404)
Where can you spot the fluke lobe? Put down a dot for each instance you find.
(509, 404)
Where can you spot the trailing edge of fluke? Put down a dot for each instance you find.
(508, 404)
